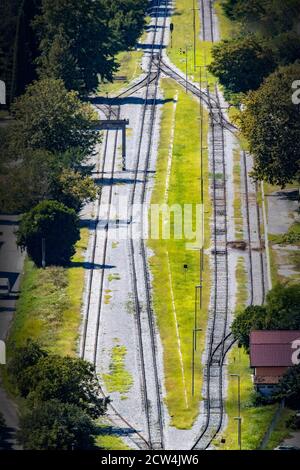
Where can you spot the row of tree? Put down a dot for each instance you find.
(66, 47)
(72, 40)
(62, 399)
(44, 168)
(258, 69)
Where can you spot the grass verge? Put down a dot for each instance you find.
(237, 203)
(255, 420)
(173, 289)
(108, 440)
(48, 309)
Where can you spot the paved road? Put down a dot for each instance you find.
(11, 265)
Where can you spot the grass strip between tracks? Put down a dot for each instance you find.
(183, 36)
(183, 179)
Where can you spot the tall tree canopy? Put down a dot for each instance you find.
(58, 225)
(271, 123)
(78, 39)
(126, 20)
(281, 312)
(49, 117)
(242, 63)
(268, 16)
(86, 42)
(69, 380)
(54, 425)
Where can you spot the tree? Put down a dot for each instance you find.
(283, 307)
(252, 318)
(74, 189)
(56, 426)
(286, 47)
(27, 182)
(57, 224)
(60, 63)
(49, 117)
(271, 124)
(69, 380)
(238, 10)
(39, 175)
(242, 63)
(271, 17)
(289, 386)
(82, 25)
(126, 20)
(281, 312)
(24, 357)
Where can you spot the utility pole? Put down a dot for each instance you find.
(43, 253)
(197, 288)
(239, 418)
(195, 331)
(194, 27)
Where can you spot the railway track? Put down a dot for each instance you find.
(141, 284)
(90, 334)
(196, 91)
(91, 325)
(255, 243)
(217, 329)
(220, 340)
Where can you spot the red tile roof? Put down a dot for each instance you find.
(272, 348)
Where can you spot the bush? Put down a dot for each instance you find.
(270, 122)
(281, 312)
(56, 426)
(242, 63)
(289, 387)
(66, 379)
(294, 422)
(257, 399)
(58, 225)
(23, 358)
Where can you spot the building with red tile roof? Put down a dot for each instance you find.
(271, 354)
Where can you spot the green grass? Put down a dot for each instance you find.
(237, 203)
(184, 187)
(228, 29)
(48, 309)
(292, 258)
(183, 36)
(242, 280)
(281, 431)
(118, 379)
(107, 439)
(255, 420)
(129, 69)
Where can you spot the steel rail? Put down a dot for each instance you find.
(132, 89)
(150, 316)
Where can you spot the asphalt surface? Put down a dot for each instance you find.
(11, 265)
